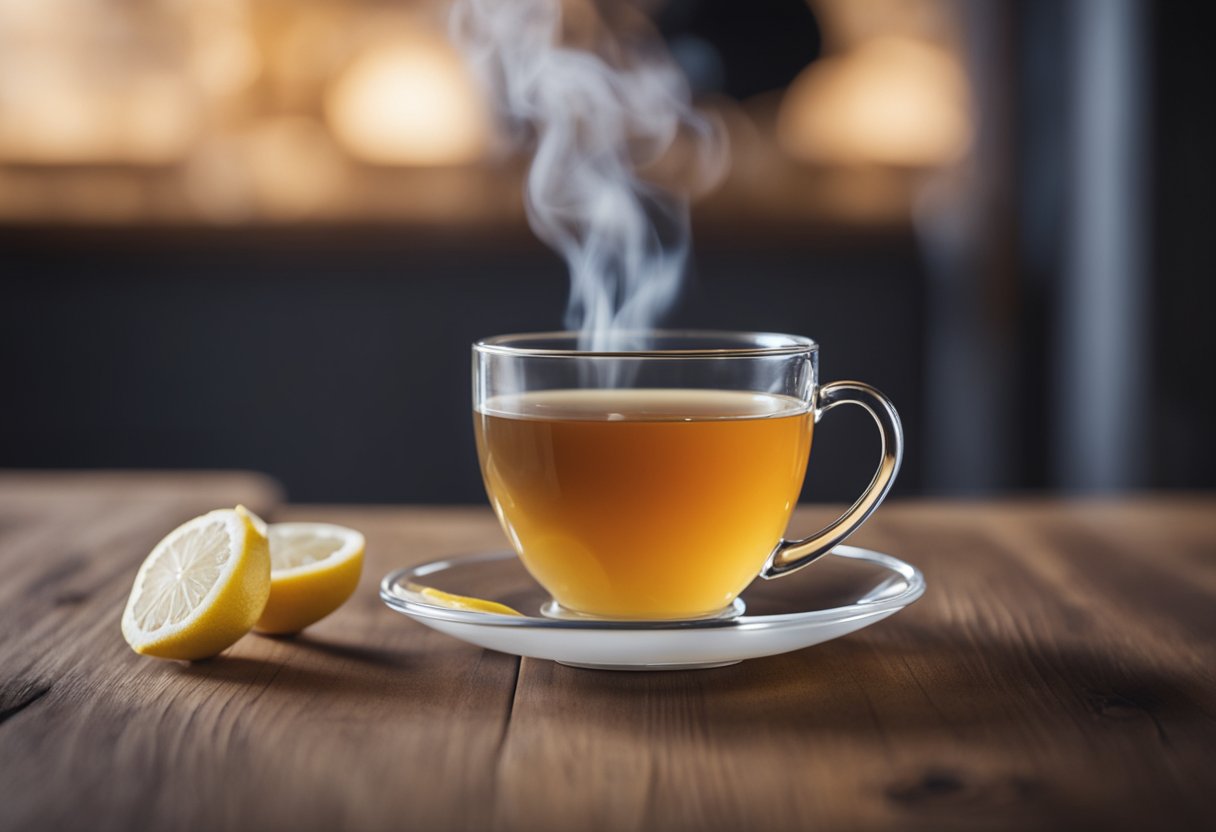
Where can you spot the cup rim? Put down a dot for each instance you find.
(736, 344)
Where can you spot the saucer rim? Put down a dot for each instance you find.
(392, 593)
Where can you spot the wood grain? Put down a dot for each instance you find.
(1060, 673)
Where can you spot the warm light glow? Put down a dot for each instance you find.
(155, 119)
(226, 61)
(285, 168)
(251, 111)
(296, 169)
(892, 101)
(218, 183)
(69, 118)
(408, 103)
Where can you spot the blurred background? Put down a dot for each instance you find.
(263, 233)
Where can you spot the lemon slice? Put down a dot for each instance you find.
(463, 602)
(314, 568)
(200, 589)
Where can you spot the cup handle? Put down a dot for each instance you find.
(791, 555)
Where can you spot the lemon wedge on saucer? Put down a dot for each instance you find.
(463, 602)
(314, 568)
(202, 588)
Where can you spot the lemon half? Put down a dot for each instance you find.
(202, 588)
(315, 567)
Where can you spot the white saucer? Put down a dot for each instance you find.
(842, 592)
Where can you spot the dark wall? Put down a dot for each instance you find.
(1183, 334)
(338, 360)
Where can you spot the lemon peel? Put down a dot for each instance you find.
(463, 602)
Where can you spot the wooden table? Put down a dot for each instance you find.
(1060, 673)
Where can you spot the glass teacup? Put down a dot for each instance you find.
(655, 481)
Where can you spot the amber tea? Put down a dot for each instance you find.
(644, 503)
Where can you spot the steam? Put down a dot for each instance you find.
(597, 115)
